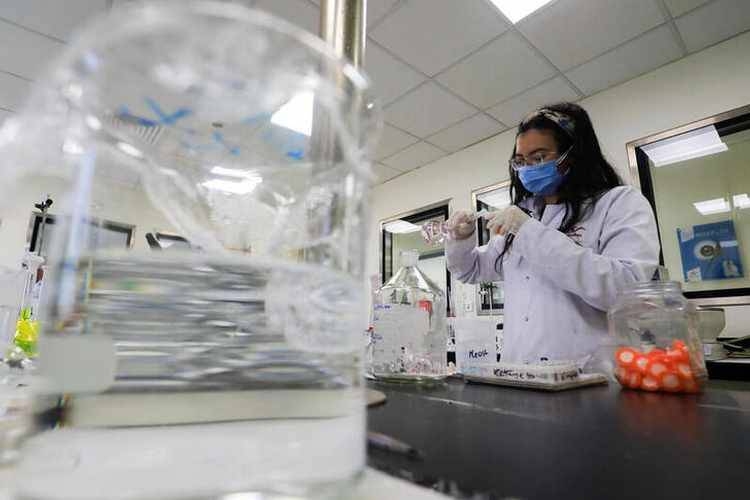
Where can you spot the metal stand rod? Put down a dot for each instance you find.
(343, 26)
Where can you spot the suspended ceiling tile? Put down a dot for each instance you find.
(426, 110)
(298, 12)
(392, 140)
(57, 18)
(376, 9)
(4, 115)
(679, 7)
(392, 78)
(513, 110)
(25, 53)
(433, 34)
(713, 23)
(645, 53)
(571, 32)
(384, 173)
(497, 71)
(414, 156)
(466, 133)
(13, 91)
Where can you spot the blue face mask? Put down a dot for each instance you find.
(543, 179)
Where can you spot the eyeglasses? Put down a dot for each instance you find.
(519, 162)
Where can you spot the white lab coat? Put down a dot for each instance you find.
(558, 287)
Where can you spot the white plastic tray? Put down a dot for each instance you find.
(583, 380)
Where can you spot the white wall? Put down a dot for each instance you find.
(117, 202)
(706, 83)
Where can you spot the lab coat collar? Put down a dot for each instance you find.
(540, 208)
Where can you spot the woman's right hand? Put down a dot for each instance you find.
(460, 225)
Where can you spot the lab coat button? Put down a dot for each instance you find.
(528, 278)
(526, 318)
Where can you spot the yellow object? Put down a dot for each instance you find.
(27, 333)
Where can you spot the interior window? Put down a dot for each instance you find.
(405, 233)
(698, 182)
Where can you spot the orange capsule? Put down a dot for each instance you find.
(684, 371)
(679, 345)
(625, 357)
(633, 380)
(649, 383)
(641, 363)
(656, 368)
(656, 354)
(671, 382)
(678, 355)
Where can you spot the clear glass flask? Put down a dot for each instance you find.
(232, 364)
(410, 327)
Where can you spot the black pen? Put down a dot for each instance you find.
(387, 443)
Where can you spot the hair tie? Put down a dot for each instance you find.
(562, 120)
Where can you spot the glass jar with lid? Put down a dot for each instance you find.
(656, 331)
(410, 326)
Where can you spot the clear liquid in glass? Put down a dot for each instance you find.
(223, 376)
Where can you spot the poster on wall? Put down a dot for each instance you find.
(710, 252)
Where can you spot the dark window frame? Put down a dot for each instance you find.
(386, 244)
(35, 224)
(486, 309)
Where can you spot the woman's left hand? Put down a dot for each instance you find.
(507, 221)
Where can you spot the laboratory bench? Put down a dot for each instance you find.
(484, 442)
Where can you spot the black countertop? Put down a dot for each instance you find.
(481, 441)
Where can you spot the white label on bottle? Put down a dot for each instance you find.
(399, 328)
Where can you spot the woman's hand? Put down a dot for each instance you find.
(460, 225)
(507, 221)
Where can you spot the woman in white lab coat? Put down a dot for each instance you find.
(573, 237)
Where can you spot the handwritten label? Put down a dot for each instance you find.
(545, 373)
(476, 346)
(478, 354)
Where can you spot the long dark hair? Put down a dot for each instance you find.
(589, 175)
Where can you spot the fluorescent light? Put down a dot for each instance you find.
(93, 122)
(401, 227)
(235, 172)
(242, 187)
(249, 180)
(741, 201)
(242, 496)
(129, 149)
(297, 114)
(515, 10)
(72, 148)
(694, 144)
(496, 199)
(715, 206)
